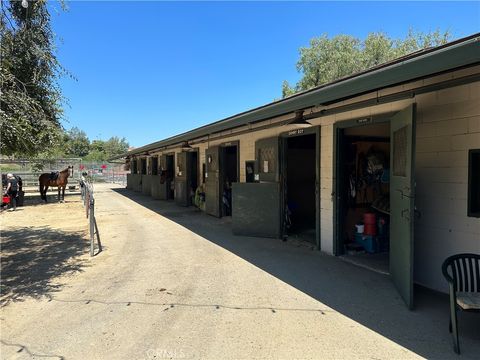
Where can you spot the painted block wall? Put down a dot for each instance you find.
(448, 125)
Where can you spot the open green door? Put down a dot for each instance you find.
(256, 206)
(213, 181)
(402, 196)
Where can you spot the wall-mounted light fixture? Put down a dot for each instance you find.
(299, 118)
(186, 146)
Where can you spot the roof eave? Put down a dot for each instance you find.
(424, 64)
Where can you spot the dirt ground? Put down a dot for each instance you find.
(42, 246)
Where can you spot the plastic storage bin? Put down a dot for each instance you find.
(369, 242)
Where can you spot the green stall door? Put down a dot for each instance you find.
(402, 196)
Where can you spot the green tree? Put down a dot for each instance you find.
(97, 145)
(115, 146)
(95, 156)
(76, 143)
(329, 59)
(101, 150)
(31, 100)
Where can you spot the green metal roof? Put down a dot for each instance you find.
(461, 53)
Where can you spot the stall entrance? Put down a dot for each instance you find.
(283, 202)
(365, 195)
(170, 176)
(374, 195)
(167, 177)
(299, 179)
(222, 171)
(229, 169)
(186, 177)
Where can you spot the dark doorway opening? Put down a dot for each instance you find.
(229, 174)
(154, 165)
(364, 201)
(249, 171)
(170, 178)
(134, 163)
(192, 172)
(144, 166)
(299, 187)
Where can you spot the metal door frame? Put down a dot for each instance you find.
(312, 130)
(197, 150)
(226, 144)
(187, 167)
(338, 207)
(172, 153)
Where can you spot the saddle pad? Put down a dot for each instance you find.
(468, 300)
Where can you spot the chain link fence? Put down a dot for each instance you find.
(96, 172)
(103, 172)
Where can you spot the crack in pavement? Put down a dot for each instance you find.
(27, 350)
(171, 305)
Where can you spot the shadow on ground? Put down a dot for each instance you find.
(33, 258)
(364, 296)
(52, 198)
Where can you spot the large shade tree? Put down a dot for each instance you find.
(331, 58)
(31, 99)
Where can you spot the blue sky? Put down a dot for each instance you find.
(149, 70)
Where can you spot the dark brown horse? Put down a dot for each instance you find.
(165, 175)
(59, 180)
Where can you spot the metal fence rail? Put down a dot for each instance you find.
(89, 204)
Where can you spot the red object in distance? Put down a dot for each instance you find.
(104, 166)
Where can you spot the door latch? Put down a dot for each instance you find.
(403, 194)
(406, 214)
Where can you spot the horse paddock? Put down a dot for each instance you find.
(41, 244)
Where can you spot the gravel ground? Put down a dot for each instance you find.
(173, 283)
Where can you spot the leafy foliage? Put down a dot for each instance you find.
(31, 100)
(76, 143)
(103, 150)
(329, 59)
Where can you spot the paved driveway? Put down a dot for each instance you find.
(174, 283)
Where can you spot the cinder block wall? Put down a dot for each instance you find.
(448, 125)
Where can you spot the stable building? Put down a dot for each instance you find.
(381, 165)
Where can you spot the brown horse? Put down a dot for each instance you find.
(59, 179)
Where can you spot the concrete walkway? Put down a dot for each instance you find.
(174, 283)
